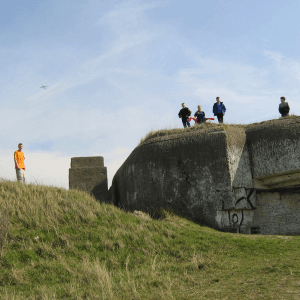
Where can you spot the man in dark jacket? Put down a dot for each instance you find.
(219, 110)
(284, 108)
(184, 115)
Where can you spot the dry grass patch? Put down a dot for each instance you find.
(208, 127)
(176, 131)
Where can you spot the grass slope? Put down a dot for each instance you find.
(58, 244)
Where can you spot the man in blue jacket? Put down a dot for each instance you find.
(219, 110)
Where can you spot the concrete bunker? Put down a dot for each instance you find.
(233, 178)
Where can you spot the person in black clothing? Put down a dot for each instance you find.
(200, 115)
(184, 114)
(284, 108)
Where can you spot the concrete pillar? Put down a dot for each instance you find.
(89, 174)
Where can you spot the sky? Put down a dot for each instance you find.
(116, 70)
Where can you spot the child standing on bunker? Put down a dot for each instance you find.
(219, 110)
(200, 115)
(284, 108)
(184, 113)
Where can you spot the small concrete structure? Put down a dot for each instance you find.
(89, 174)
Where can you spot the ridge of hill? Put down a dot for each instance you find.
(59, 244)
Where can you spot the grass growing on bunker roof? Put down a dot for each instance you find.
(208, 127)
(60, 244)
(197, 128)
(205, 127)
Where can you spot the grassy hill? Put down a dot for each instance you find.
(58, 244)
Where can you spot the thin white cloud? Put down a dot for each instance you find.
(287, 71)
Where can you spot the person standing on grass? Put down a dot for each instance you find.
(19, 164)
(200, 115)
(184, 114)
(219, 110)
(284, 108)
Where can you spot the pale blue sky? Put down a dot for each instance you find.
(118, 69)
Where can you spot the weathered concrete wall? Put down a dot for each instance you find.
(179, 172)
(226, 179)
(274, 147)
(278, 212)
(90, 175)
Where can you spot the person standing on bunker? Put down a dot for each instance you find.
(19, 164)
(184, 114)
(284, 108)
(219, 110)
(200, 115)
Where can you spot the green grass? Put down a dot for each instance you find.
(64, 245)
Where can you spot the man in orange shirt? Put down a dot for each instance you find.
(19, 163)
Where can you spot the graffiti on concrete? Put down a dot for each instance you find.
(240, 215)
(251, 191)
